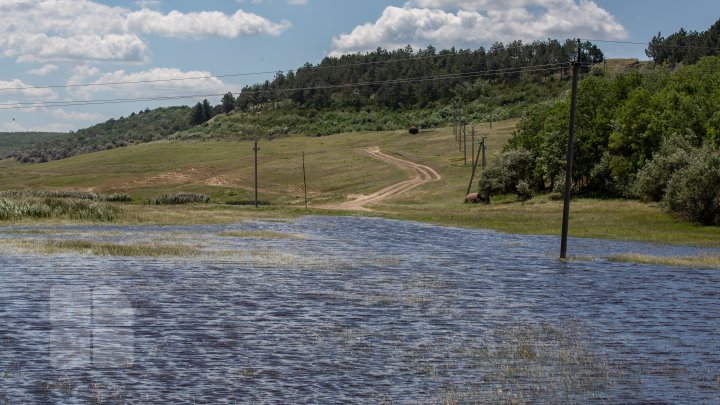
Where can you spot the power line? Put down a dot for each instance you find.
(206, 77)
(475, 74)
(657, 45)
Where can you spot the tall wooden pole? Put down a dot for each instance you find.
(472, 149)
(304, 179)
(570, 154)
(256, 149)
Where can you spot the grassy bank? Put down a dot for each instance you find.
(338, 169)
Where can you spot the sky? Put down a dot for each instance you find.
(79, 52)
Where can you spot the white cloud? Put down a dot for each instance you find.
(151, 4)
(84, 30)
(61, 114)
(18, 88)
(198, 25)
(472, 23)
(155, 82)
(43, 71)
(297, 2)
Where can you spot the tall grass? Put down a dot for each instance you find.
(80, 210)
(181, 198)
(65, 194)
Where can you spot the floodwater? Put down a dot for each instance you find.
(354, 310)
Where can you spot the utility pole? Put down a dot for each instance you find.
(464, 132)
(472, 149)
(304, 179)
(483, 154)
(476, 160)
(256, 149)
(570, 153)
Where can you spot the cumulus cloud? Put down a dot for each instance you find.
(198, 25)
(18, 88)
(64, 30)
(43, 71)
(63, 115)
(472, 23)
(157, 82)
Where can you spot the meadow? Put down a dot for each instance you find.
(338, 169)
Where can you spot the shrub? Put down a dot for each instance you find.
(509, 170)
(694, 191)
(181, 198)
(674, 155)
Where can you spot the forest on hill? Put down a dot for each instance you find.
(380, 90)
(145, 126)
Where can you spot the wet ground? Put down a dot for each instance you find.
(353, 310)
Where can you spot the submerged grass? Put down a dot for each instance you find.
(54, 246)
(261, 235)
(680, 261)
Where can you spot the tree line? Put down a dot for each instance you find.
(144, 126)
(684, 46)
(653, 136)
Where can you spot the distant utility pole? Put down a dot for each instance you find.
(570, 153)
(256, 149)
(464, 132)
(472, 145)
(483, 154)
(304, 179)
(476, 160)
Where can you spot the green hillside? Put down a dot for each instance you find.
(10, 141)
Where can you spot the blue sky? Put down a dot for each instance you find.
(79, 42)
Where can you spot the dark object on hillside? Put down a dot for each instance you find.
(472, 198)
(414, 130)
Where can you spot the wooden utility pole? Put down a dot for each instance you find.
(570, 153)
(256, 149)
(464, 132)
(304, 179)
(474, 166)
(472, 147)
(483, 154)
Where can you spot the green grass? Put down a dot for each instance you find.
(681, 261)
(54, 246)
(337, 168)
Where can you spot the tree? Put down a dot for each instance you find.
(228, 102)
(197, 116)
(207, 111)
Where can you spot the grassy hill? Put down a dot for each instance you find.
(337, 167)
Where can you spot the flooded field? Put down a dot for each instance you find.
(329, 310)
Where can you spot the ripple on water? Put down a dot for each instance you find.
(358, 310)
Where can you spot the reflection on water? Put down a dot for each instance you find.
(359, 310)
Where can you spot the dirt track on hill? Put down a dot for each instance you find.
(421, 174)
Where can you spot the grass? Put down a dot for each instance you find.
(54, 246)
(681, 261)
(260, 235)
(337, 167)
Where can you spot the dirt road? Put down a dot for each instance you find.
(421, 174)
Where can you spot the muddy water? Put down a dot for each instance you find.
(357, 310)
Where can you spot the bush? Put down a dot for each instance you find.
(512, 168)
(181, 198)
(693, 192)
(674, 155)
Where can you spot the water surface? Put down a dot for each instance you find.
(357, 310)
